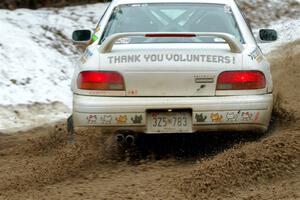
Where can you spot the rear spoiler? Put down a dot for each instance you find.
(234, 44)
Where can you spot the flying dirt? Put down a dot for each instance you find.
(45, 163)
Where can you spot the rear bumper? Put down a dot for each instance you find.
(233, 113)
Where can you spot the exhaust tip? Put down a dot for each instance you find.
(120, 138)
(130, 139)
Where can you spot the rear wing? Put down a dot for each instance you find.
(234, 44)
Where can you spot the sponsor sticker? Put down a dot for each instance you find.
(216, 117)
(227, 9)
(94, 38)
(232, 116)
(200, 118)
(256, 55)
(88, 53)
(125, 119)
(91, 119)
(106, 119)
(137, 119)
(226, 117)
(132, 92)
(122, 119)
(247, 116)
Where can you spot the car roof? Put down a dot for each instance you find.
(120, 2)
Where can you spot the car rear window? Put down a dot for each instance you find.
(174, 18)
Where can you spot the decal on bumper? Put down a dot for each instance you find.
(227, 117)
(120, 119)
(206, 117)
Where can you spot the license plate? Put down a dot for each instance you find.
(169, 122)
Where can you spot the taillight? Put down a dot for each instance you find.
(97, 80)
(241, 80)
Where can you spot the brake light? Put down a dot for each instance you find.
(95, 80)
(241, 80)
(170, 35)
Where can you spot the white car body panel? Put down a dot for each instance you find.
(164, 76)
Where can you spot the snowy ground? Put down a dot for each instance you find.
(36, 55)
(37, 61)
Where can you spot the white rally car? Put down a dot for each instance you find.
(172, 66)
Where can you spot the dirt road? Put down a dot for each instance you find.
(41, 164)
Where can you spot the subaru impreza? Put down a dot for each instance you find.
(171, 66)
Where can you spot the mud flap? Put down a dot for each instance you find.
(70, 128)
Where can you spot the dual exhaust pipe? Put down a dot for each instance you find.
(125, 139)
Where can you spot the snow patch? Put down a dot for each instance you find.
(36, 54)
(24, 117)
(37, 60)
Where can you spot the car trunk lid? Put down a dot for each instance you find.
(170, 69)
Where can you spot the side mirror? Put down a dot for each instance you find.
(82, 36)
(267, 35)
